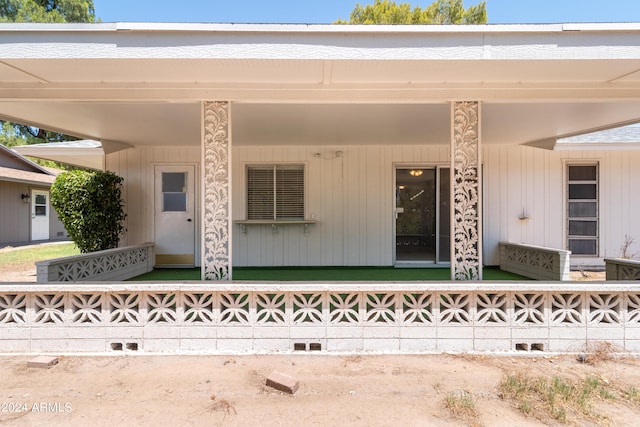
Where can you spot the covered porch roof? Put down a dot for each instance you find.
(84, 153)
(143, 84)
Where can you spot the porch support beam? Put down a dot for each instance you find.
(466, 207)
(216, 201)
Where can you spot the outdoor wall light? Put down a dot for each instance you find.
(25, 198)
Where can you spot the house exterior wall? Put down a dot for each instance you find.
(15, 215)
(518, 178)
(136, 166)
(351, 197)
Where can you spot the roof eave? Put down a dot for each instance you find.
(314, 28)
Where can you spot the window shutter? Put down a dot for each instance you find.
(260, 193)
(289, 192)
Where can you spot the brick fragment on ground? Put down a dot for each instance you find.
(283, 382)
(42, 362)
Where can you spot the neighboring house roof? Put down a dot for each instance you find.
(28, 172)
(625, 138)
(26, 177)
(616, 135)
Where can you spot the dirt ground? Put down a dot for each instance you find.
(375, 390)
(26, 275)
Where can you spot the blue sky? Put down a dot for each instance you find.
(327, 11)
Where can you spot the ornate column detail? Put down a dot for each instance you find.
(466, 261)
(216, 172)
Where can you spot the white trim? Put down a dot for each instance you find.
(293, 41)
(315, 27)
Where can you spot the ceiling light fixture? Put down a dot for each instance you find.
(415, 172)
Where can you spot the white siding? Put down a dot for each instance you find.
(527, 178)
(136, 166)
(351, 196)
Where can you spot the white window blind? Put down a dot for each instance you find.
(275, 192)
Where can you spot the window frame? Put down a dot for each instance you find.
(275, 166)
(568, 204)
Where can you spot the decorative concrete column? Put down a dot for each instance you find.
(466, 208)
(216, 173)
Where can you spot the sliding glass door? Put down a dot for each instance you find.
(422, 215)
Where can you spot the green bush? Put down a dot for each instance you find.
(90, 207)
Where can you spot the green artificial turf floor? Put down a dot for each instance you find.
(328, 274)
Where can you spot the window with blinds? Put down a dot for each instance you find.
(275, 192)
(582, 206)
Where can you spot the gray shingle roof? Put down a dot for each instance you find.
(616, 135)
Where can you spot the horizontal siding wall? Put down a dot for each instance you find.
(351, 196)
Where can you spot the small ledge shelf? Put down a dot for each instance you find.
(274, 224)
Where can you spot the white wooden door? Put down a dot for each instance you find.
(39, 215)
(174, 216)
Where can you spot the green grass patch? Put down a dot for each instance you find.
(19, 258)
(632, 394)
(329, 274)
(461, 405)
(555, 398)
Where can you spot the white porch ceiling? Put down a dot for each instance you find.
(320, 124)
(318, 85)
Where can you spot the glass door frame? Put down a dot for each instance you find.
(438, 170)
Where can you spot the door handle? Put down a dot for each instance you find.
(188, 219)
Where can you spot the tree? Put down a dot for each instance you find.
(90, 206)
(47, 11)
(439, 12)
